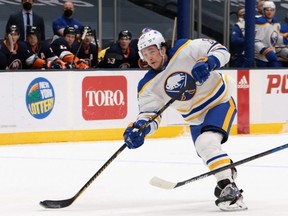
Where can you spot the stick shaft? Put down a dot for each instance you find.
(233, 165)
(67, 202)
(174, 32)
(158, 182)
(80, 45)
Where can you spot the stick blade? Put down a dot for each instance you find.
(54, 204)
(161, 183)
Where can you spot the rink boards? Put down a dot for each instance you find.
(52, 106)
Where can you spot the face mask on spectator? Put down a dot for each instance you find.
(68, 13)
(27, 6)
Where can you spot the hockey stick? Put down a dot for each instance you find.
(161, 183)
(11, 43)
(80, 45)
(10, 39)
(97, 46)
(174, 31)
(67, 202)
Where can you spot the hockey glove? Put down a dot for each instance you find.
(80, 64)
(203, 67)
(132, 137)
(269, 54)
(56, 65)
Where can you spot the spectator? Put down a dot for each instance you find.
(237, 38)
(60, 23)
(17, 53)
(259, 8)
(62, 47)
(26, 17)
(120, 54)
(267, 36)
(86, 50)
(42, 49)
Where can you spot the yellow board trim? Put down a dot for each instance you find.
(117, 134)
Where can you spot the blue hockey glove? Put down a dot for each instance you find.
(132, 137)
(56, 65)
(203, 67)
(269, 54)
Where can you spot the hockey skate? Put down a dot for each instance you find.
(229, 196)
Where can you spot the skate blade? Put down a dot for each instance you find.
(237, 206)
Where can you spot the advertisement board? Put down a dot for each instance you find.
(52, 106)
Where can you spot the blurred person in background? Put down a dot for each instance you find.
(62, 47)
(87, 50)
(282, 50)
(259, 8)
(42, 49)
(120, 54)
(27, 17)
(267, 36)
(238, 39)
(17, 53)
(67, 19)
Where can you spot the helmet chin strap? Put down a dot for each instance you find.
(163, 58)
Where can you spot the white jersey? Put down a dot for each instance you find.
(267, 35)
(159, 86)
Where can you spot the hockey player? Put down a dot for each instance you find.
(207, 106)
(238, 39)
(268, 36)
(62, 47)
(88, 51)
(120, 54)
(17, 53)
(42, 49)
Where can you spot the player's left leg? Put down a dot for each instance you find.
(208, 139)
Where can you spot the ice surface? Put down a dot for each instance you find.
(32, 173)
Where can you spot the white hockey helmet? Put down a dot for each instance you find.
(152, 37)
(269, 4)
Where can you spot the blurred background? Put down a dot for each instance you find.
(209, 18)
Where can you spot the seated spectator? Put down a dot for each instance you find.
(268, 36)
(85, 49)
(42, 49)
(120, 54)
(62, 47)
(60, 23)
(17, 53)
(26, 17)
(238, 40)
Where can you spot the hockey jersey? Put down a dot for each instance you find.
(157, 87)
(20, 57)
(115, 58)
(43, 51)
(267, 34)
(88, 54)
